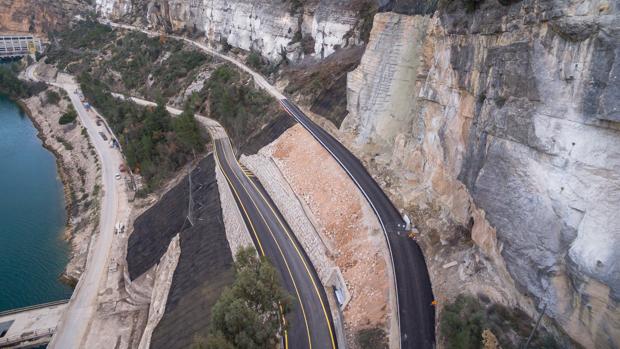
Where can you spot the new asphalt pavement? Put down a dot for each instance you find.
(414, 292)
(309, 324)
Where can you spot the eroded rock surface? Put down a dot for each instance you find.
(37, 16)
(505, 132)
(274, 28)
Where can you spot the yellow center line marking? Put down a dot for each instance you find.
(217, 158)
(277, 244)
(255, 234)
(316, 289)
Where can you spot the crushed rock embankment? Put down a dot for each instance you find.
(344, 232)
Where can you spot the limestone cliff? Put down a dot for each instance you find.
(274, 28)
(501, 125)
(37, 16)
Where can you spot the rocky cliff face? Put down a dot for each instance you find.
(36, 16)
(274, 28)
(502, 125)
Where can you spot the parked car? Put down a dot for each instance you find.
(105, 138)
(117, 176)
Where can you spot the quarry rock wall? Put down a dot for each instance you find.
(503, 123)
(273, 28)
(37, 16)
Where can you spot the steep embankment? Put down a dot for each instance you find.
(499, 126)
(205, 263)
(338, 230)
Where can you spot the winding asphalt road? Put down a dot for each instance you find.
(413, 285)
(309, 324)
(416, 314)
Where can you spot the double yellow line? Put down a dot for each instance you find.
(277, 244)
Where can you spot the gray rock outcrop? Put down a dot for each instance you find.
(509, 126)
(274, 28)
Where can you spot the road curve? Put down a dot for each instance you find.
(72, 329)
(414, 292)
(416, 315)
(309, 324)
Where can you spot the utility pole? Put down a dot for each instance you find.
(529, 339)
(190, 207)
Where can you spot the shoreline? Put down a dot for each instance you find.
(78, 169)
(68, 191)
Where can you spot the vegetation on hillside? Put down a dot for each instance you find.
(232, 99)
(158, 69)
(248, 314)
(155, 144)
(12, 86)
(68, 117)
(463, 322)
(154, 67)
(75, 49)
(136, 56)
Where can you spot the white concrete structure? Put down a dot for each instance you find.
(30, 325)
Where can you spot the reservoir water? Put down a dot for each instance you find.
(32, 215)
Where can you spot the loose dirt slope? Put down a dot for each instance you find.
(345, 221)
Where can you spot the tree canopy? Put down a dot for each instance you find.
(12, 86)
(248, 315)
(155, 144)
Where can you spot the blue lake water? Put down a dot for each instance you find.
(32, 215)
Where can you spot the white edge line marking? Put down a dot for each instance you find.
(292, 113)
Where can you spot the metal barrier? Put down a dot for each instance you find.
(26, 337)
(33, 307)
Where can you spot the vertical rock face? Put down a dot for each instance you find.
(113, 8)
(506, 118)
(332, 25)
(271, 27)
(36, 16)
(379, 99)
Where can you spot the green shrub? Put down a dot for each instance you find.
(68, 117)
(254, 60)
(52, 97)
(372, 338)
(248, 314)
